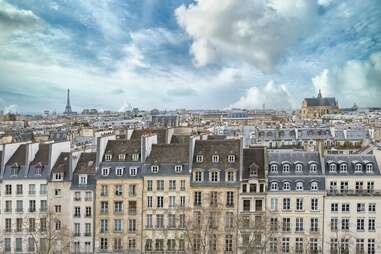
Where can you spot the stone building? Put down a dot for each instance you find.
(315, 108)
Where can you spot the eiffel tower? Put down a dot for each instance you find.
(68, 107)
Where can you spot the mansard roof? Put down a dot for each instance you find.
(169, 153)
(321, 101)
(86, 164)
(126, 147)
(62, 164)
(351, 160)
(254, 156)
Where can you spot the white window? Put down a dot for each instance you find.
(82, 179)
(286, 168)
(314, 186)
(343, 168)
(230, 176)
(58, 176)
(199, 158)
(274, 204)
(105, 171)
(198, 176)
(214, 176)
(274, 168)
(313, 168)
(332, 168)
(369, 168)
(119, 171)
(108, 157)
(122, 157)
(231, 158)
(274, 186)
(299, 186)
(178, 168)
(299, 168)
(135, 156)
(133, 171)
(358, 168)
(155, 168)
(215, 158)
(286, 186)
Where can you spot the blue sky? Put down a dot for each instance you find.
(117, 54)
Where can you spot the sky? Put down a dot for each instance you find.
(202, 54)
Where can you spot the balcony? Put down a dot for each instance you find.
(87, 234)
(354, 193)
(131, 211)
(77, 199)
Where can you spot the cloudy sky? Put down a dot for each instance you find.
(114, 54)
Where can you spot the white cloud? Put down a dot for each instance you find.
(354, 82)
(259, 32)
(271, 95)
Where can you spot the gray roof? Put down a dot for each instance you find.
(169, 153)
(166, 169)
(322, 101)
(161, 134)
(293, 158)
(113, 165)
(62, 165)
(19, 156)
(86, 164)
(254, 157)
(351, 160)
(180, 139)
(307, 182)
(126, 147)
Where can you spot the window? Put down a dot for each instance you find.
(372, 224)
(334, 207)
(360, 207)
(104, 206)
(19, 189)
(118, 190)
(345, 224)
(104, 244)
(359, 186)
(149, 185)
(43, 205)
(230, 176)
(372, 207)
(149, 201)
(229, 199)
(229, 243)
(118, 206)
(314, 226)
(199, 158)
(43, 224)
(117, 244)
(314, 245)
(108, 157)
(246, 205)
(135, 156)
(369, 168)
(19, 206)
(344, 186)
(334, 224)
(57, 208)
(345, 207)
(286, 204)
(286, 245)
(160, 202)
(358, 168)
(299, 227)
(231, 158)
(360, 225)
(122, 157)
(32, 190)
(343, 168)
(77, 211)
(160, 185)
(31, 244)
(273, 245)
(131, 225)
(132, 190)
(32, 225)
(171, 220)
(299, 204)
(104, 226)
(149, 221)
(299, 245)
(43, 189)
(286, 186)
(274, 168)
(214, 176)
(182, 185)
(148, 245)
(274, 204)
(88, 211)
(104, 190)
(133, 171)
(58, 176)
(82, 179)
(182, 201)
(198, 176)
(298, 168)
(8, 206)
(286, 168)
(197, 198)
(119, 171)
(105, 171)
(8, 189)
(172, 201)
(370, 187)
(314, 186)
(159, 221)
(154, 168)
(178, 168)
(371, 246)
(32, 206)
(215, 158)
(332, 168)
(333, 186)
(313, 168)
(18, 244)
(299, 186)
(274, 186)
(314, 204)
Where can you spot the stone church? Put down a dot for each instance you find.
(315, 108)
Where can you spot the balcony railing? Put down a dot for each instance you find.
(354, 193)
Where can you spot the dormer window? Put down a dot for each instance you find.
(274, 168)
(314, 186)
(253, 171)
(358, 168)
(215, 158)
(178, 168)
(286, 168)
(122, 157)
(286, 186)
(58, 176)
(313, 168)
(198, 176)
(38, 170)
(154, 168)
(332, 168)
(82, 179)
(108, 157)
(231, 158)
(105, 171)
(274, 186)
(299, 186)
(135, 156)
(133, 171)
(199, 158)
(343, 168)
(369, 168)
(15, 169)
(214, 176)
(299, 168)
(230, 176)
(119, 171)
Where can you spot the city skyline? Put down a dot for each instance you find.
(188, 54)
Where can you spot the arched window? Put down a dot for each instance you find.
(299, 168)
(286, 168)
(332, 168)
(274, 168)
(343, 168)
(274, 186)
(299, 186)
(313, 168)
(358, 168)
(286, 186)
(369, 168)
(314, 186)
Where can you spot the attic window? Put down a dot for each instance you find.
(15, 169)
(313, 168)
(155, 168)
(274, 168)
(119, 171)
(133, 171)
(358, 168)
(108, 157)
(253, 171)
(178, 168)
(231, 158)
(343, 168)
(105, 171)
(82, 179)
(199, 158)
(215, 158)
(90, 163)
(58, 176)
(135, 157)
(299, 168)
(369, 168)
(332, 168)
(122, 157)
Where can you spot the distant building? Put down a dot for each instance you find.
(315, 108)
(68, 110)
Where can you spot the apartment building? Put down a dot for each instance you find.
(215, 189)
(352, 219)
(82, 196)
(295, 201)
(166, 198)
(252, 199)
(119, 197)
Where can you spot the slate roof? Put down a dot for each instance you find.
(127, 147)
(351, 160)
(62, 165)
(180, 139)
(42, 155)
(322, 101)
(19, 156)
(293, 158)
(113, 165)
(223, 148)
(168, 153)
(161, 134)
(86, 164)
(254, 156)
